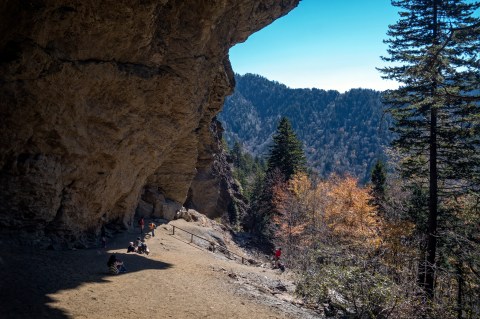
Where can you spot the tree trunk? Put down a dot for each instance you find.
(432, 210)
(459, 291)
(433, 186)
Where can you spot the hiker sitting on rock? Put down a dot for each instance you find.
(142, 248)
(137, 244)
(115, 266)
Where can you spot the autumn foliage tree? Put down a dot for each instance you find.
(333, 212)
(350, 216)
(334, 236)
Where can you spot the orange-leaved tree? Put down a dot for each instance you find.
(350, 215)
(331, 212)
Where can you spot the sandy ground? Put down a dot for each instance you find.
(177, 280)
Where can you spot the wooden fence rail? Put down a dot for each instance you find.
(211, 243)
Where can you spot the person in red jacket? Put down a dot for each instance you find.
(277, 255)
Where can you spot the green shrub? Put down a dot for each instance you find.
(355, 292)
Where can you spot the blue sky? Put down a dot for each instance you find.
(327, 44)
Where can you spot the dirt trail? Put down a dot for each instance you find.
(177, 280)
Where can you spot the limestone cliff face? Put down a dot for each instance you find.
(107, 106)
(213, 190)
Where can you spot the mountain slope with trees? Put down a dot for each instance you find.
(342, 133)
(406, 245)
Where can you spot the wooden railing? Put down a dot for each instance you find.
(213, 246)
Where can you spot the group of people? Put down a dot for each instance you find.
(138, 246)
(116, 266)
(151, 226)
(141, 225)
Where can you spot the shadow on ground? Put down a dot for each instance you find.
(28, 277)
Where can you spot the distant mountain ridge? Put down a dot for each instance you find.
(341, 132)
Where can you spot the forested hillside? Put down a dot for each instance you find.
(342, 133)
(406, 246)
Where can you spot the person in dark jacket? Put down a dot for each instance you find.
(103, 235)
(131, 248)
(115, 266)
(141, 224)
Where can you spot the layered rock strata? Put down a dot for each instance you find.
(107, 106)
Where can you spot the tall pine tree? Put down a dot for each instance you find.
(286, 158)
(434, 49)
(378, 179)
(286, 153)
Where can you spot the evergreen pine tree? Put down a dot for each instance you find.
(237, 153)
(286, 153)
(285, 159)
(434, 47)
(378, 182)
(259, 218)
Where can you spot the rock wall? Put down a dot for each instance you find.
(213, 191)
(105, 104)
